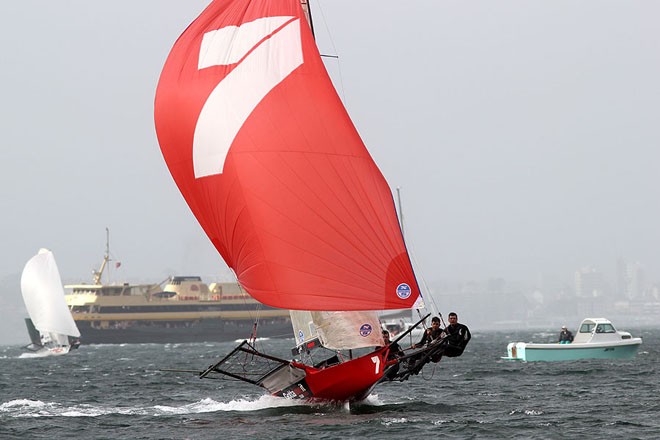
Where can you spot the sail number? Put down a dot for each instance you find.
(252, 46)
(376, 360)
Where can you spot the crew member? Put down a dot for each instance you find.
(457, 336)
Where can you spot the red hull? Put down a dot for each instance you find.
(352, 380)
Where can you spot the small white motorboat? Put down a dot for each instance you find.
(596, 339)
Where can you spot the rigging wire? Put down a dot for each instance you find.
(257, 311)
(318, 7)
(425, 290)
(435, 365)
(424, 286)
(255, 314)
(340, 76)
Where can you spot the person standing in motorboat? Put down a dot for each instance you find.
(565, 336)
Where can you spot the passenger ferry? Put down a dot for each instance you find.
(185, 310)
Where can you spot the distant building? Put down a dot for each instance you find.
(631, 281)
(590, 283)
(590, 292)
(634, 281)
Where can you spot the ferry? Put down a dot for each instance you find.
(185, 310)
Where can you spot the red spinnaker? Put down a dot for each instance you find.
(272, 167)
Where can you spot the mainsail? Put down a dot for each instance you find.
(269, 162)
(43, 295)
(336, 330)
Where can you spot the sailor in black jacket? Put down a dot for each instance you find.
(458, 336)
(430, 334)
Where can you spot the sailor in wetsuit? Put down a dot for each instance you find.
(395, 352)
(431, 334)
(457, 336)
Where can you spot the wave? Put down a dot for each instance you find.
(243, 404)
(36, 354)
(37, 408)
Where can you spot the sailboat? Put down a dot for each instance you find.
(269, 162)
(50, 326)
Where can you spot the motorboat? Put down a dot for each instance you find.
(596, 339)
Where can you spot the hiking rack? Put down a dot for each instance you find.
(245, 363)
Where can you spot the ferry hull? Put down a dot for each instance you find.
(210, 330)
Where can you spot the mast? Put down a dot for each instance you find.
(308, 13)
(99, 273)
(398, 199)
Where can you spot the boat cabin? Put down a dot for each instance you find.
(598, 330)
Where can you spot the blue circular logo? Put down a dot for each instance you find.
(301, 335)
(365, 330)
(403, 291)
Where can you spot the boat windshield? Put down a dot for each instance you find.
(587, 328)
(600, 328)
(605, 328)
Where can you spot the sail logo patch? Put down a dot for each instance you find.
(266, 51)
(403, 291)
(301, 336)
(365, 330)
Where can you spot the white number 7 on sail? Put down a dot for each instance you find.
(253, 45)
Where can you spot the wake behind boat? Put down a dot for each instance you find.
(50, 326)
(596, 339)
(263, 151)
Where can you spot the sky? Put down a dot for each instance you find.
(524, 135)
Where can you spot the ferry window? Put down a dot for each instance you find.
(587, 328)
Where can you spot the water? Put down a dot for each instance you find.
(118, 392)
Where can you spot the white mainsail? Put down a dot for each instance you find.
(337, 330)
(43, 295)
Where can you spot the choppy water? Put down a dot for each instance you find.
(118, 392)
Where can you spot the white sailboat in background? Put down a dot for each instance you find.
(51, 326)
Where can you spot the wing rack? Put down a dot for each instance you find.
(247, 364)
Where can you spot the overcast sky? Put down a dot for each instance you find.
(524, 135)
